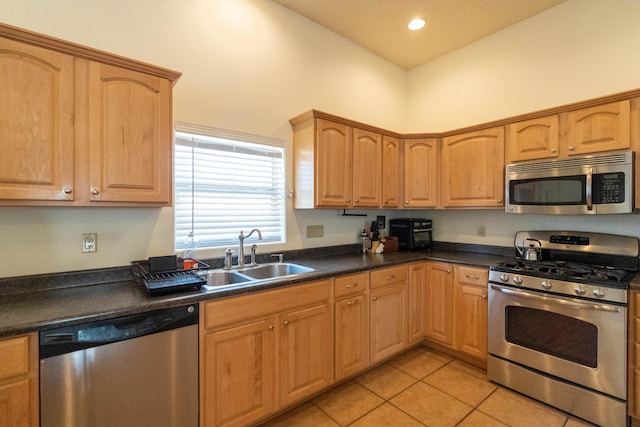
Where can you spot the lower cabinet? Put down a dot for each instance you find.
(438, 318)
(352, 324)
(19, 381)
(634, 356)
(471, 310)
(388, 333)
(283, 353)
(417, 281)
(456, 307)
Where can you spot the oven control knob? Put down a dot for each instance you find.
(598, 293)
(517, 280)
(504, 278)
(579, 290)
(545, 284)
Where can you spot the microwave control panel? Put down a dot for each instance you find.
(608, 188)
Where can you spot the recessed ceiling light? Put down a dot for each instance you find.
(416, 24)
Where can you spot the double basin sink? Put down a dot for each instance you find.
(254, 275)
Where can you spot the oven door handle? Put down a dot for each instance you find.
(558, 301)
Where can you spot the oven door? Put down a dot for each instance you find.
(576, 340)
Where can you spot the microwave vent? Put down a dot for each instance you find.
(613, 159)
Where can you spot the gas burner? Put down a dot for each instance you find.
(563, 270)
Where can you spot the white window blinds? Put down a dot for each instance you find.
(225, 184)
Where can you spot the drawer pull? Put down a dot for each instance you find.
(352, 302)
(375, 298)
(393, 276)
(270, 327)
(286, 323)
(468, 276)
(352, 285)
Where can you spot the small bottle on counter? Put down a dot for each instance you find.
(189, 256)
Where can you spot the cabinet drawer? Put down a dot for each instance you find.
(473, 276)
(14, 353)
(351, 285)
(260, 304)
(389, 276)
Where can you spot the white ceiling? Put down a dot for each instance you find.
(381, 25)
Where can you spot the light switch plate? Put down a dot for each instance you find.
(314, 231)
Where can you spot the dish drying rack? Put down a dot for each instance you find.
(166, 274)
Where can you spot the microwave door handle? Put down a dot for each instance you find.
(589, 189)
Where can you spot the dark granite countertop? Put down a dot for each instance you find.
(22, 312)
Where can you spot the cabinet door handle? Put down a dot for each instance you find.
(484, 296)
(270, 327)
(375, 298)
(553, 150)
(352, 302)
(468, 276)
(352, 285)
(67, 190)
(448, 270)
(94, 191)
(286, 322)
(393, 276)
(571, 148)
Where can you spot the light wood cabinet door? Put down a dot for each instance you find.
(534, 139)
(367, 167)
(391, 172)
(333, 164)
(472, 169)
(417, 280)
(19, 381)
(239, 379)
(388, 325)
(420, 172)
(601, 128)
(306, 352)
(130, 136)
(471, 311)
(36, 129)
(352, 335)
(439, 303)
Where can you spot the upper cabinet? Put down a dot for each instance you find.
(338, 164)
(420, 173)
(82, 127)
(391, 172)
(367, 168)
(472, 169)
(36, 130)
(600, 128)
(604, 127)
(533, 139)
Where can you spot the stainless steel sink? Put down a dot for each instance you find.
(224, 278)
(253, 275)
(277, 270)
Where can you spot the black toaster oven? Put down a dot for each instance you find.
(412, 233)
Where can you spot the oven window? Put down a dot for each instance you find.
(561, 190)
(551, 333)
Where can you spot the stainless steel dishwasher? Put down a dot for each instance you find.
(138, 370)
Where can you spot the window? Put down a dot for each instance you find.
(227, 182)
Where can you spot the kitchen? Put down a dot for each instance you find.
(263, 71)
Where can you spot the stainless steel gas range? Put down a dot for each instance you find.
(558, 322)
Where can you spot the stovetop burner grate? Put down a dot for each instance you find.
(560, 270)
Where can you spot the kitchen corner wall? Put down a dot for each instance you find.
(578, 50)
(250, 65)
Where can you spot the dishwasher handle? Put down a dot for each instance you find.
(54, 342)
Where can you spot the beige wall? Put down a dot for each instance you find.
(578, 50)
(250, 65)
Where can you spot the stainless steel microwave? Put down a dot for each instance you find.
(594, 184)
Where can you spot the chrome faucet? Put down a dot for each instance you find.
(241, 237)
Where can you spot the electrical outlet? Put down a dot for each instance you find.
(89, 242)
(315, 231)
(480, 230)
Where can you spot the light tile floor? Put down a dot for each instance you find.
(424, 388)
